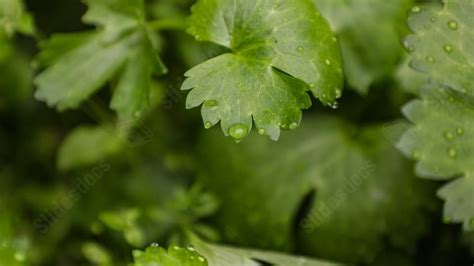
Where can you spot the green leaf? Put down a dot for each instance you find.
(441, 137)
(369, 32)
(441, 141)
(88, 145)
(441, 43)
(174, 256)
(278, 50)
(122, 47)
(355, 173)
(14, 18)
(218, 255)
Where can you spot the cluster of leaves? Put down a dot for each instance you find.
(118, 163)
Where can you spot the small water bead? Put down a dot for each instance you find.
(211, 103)
(261, 131)
(416, 155)
(338, 93)
(452, 24)
(207, 125)
(191, 248)
(300, 49)
(335, 105)
(201, 259)
(430, 59)
(328, 62)
(155, 245)
(449, 135)
(452, 152)
(284, 126)
(459, 131)
(238, 131)
(416, 9)
(293, 125)
(448, 48)
(312, 85)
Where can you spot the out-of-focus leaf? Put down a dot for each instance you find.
(369, 32)
(278, 51)
(355, 173)
(14, 18)
(82, 63)
(88, 145)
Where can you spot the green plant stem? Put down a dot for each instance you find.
(168, 24)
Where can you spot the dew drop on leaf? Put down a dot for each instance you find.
(261, 131)
(207, 125)
(449, 135)
(328, 62)
(155, 245)
(452, 152)
(338, 93)
(416, 9)
(300, 49)
(238, 131)
(452, 24)
(293, 125)
(448, 48)
(211, 103)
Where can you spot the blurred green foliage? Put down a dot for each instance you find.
(90, 187)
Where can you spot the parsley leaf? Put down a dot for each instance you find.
(82, 63)
(440, 139)
(369, 33)
(14, 18)
(174, 256)
(278, 50)
(355, 173)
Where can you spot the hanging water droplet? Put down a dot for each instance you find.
(416, 155)
(155, 245)
(415, 9)
(300, 49)
(335, 105)
(261, 131)
(211, 103)
(293, 125)
(460, 131)
(452, 152)
(448, 135)
(238, 131)
(328, 62)
(338, 93)
(430, 59)
(207, 125)
(452, 24)
(448, 48)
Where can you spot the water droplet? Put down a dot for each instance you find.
(155, 245)
(335, 105)
(416, 155)
(176, 248)
(207, 125)
(284, 126)
(261, 131)
(452, 24)
(300, 49)
(430, 59)
(338, 93)
(328, 62)
(448, 48)
(448, 135)
(191, 248)
(459, 131)
(211, 103)
(201, 259)
(137, 114)
(312, 85)
(415, 9)
(452, 152)
(293, 125)
(238, 131)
